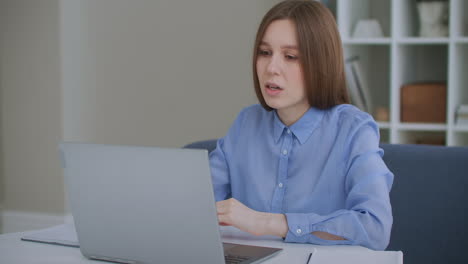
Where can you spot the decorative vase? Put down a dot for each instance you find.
(433, 18)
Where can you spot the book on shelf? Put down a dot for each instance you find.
(357, 85)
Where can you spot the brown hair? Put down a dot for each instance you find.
(320, 49)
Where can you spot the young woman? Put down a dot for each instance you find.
(303, 165)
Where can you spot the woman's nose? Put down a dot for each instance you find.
(273, 66)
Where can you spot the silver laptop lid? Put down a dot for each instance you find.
(142, 204)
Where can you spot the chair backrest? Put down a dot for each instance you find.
(209, 145)
(429, 201)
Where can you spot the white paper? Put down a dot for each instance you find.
(64, 235)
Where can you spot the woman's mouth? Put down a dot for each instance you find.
(273, 89)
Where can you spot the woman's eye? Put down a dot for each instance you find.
(291, 57)
(263, 52)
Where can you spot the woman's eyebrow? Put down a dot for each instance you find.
(289, 47)
(264, 43)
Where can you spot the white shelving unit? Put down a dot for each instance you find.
(401, 57)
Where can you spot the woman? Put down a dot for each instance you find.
(303, 165)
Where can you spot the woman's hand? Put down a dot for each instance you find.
(231, 212)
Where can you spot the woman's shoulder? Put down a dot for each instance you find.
(250, 117)
(354, 125)
(346, 115)
(249, 120)
(253, 109)
(253, 112)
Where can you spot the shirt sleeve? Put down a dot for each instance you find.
(367, 218)
(220, 172)
(219, 159)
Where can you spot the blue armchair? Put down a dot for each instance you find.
(429, 201)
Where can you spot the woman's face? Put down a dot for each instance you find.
(279, 70)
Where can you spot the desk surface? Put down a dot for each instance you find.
(13, 250)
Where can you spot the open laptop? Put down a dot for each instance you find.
(147, 205)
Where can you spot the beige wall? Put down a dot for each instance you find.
(2, 188)
(171, 72)
(30, 101)
(161, 73)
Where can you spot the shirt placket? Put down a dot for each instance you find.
(281, 181)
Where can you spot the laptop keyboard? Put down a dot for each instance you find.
(231, 259)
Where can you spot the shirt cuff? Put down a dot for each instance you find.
(300, 231)
(297, 230)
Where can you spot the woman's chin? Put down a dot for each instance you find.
(273, 104)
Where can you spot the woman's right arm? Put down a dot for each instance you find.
(220, 158)
(220, 172)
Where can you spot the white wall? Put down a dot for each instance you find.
(161, 73)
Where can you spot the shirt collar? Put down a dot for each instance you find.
(303, 127)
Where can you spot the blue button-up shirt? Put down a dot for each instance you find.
(325, 173)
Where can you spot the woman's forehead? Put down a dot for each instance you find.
(280, 33)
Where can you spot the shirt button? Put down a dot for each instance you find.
(280, 185)
(288, 131)
(285, 152)
(299, 231)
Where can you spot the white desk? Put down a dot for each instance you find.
(13, 250)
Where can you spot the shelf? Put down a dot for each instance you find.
(460, 138)
(351, 12)
(459, 80)
(367, 41)
(460, 128)
(459, 18)
(461, 40)
(403, 57)
(423, 41)
(421, 127)
(407, 19)
(374, 62)
(422, 137)
(421, 64)
(384, 125)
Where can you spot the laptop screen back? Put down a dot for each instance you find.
(149, 205)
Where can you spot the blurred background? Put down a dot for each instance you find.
(154, 73)
(166, 73)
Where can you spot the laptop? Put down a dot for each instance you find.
(147, 205)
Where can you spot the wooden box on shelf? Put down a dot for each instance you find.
(424, 102)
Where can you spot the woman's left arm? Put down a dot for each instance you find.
(366, 219)
(367, 215)
(232, 212)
